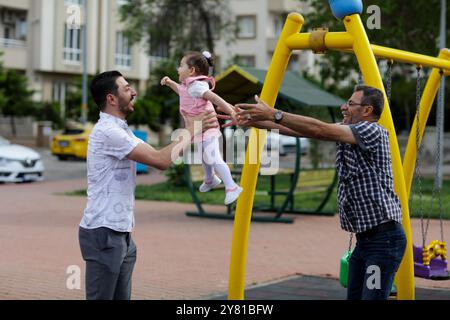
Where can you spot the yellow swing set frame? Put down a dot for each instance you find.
(355, 41)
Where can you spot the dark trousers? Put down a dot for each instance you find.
(110, 257)
(374, 262)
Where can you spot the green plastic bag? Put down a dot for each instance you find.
(343, 271)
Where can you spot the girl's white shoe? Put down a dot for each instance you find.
(232, 195)
(205, 187)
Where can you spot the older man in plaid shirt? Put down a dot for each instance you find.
(368, 205)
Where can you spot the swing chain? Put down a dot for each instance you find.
(350, 242)
(439, 125)
(418, 156)
(360, 78)
(389, 80)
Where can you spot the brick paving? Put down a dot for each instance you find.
(179, 257)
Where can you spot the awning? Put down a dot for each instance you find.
(240, 84)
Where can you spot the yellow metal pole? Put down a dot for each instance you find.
(369, 68)
(413, 58)
(250, 171)
(426, 103)
(400, 55)
(334, 40)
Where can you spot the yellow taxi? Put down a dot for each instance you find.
(72, 142)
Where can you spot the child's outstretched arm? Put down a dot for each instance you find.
(166, 81)
(221, 104)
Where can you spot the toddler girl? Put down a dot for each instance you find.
(196, 96)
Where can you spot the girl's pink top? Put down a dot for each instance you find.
(190, 106)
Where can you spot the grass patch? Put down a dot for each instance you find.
(309, 193)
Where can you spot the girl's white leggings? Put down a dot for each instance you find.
(212, 162)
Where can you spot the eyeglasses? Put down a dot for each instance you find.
(352, 104)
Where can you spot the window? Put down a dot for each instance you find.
(246, 27)
(278, 24)
(59, 93)
(123, 51)
(160, 48)
(215, 25)
(72, 45)
(14, 24)
(245, 60)
(121, 2)
(73, 2)
(21, 30)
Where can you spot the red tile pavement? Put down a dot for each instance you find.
(179, 257)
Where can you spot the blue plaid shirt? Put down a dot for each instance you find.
(366, 194)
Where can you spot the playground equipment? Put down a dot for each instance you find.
(279, 210)
(353, 40)
(238, 84)
(430, 261)
(287, 195)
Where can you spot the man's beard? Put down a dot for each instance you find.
(124, 106)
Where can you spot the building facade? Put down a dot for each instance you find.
(259, 24)
(44, 39)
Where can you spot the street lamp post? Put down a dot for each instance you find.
(440, 103)
(84, 101)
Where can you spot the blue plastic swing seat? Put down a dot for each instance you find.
(437, 270)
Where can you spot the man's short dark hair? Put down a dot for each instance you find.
(372, 97)
(104, 84)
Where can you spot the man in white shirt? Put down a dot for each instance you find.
(108, 220)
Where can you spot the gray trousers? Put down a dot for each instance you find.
(110, 257)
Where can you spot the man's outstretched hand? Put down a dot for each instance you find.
(208, 120)
(251, 113)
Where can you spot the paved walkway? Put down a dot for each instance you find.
(319, 288)
(179, 257)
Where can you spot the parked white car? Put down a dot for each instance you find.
(19, 163)
(274, 141)
(286, 144)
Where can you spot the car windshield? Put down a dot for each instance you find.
(72, 131)
(4, 142)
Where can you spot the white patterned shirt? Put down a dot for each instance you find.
(111, 176)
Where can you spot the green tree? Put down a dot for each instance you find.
(73, 102)
(405, 25)
(2, 94)
(170, 28)
(147, 109)
(50, 111)
(159, 104)
(175, 26)
(15, 97)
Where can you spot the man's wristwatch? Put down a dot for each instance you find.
(278, 116)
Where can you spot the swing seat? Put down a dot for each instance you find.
(436, 270)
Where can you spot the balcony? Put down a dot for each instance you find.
(14, 53)
(16, 4)
(286, 6)
(12, 43)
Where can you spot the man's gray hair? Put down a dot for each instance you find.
(372, 97)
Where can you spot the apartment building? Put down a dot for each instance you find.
(259, 24)
(43, 39)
